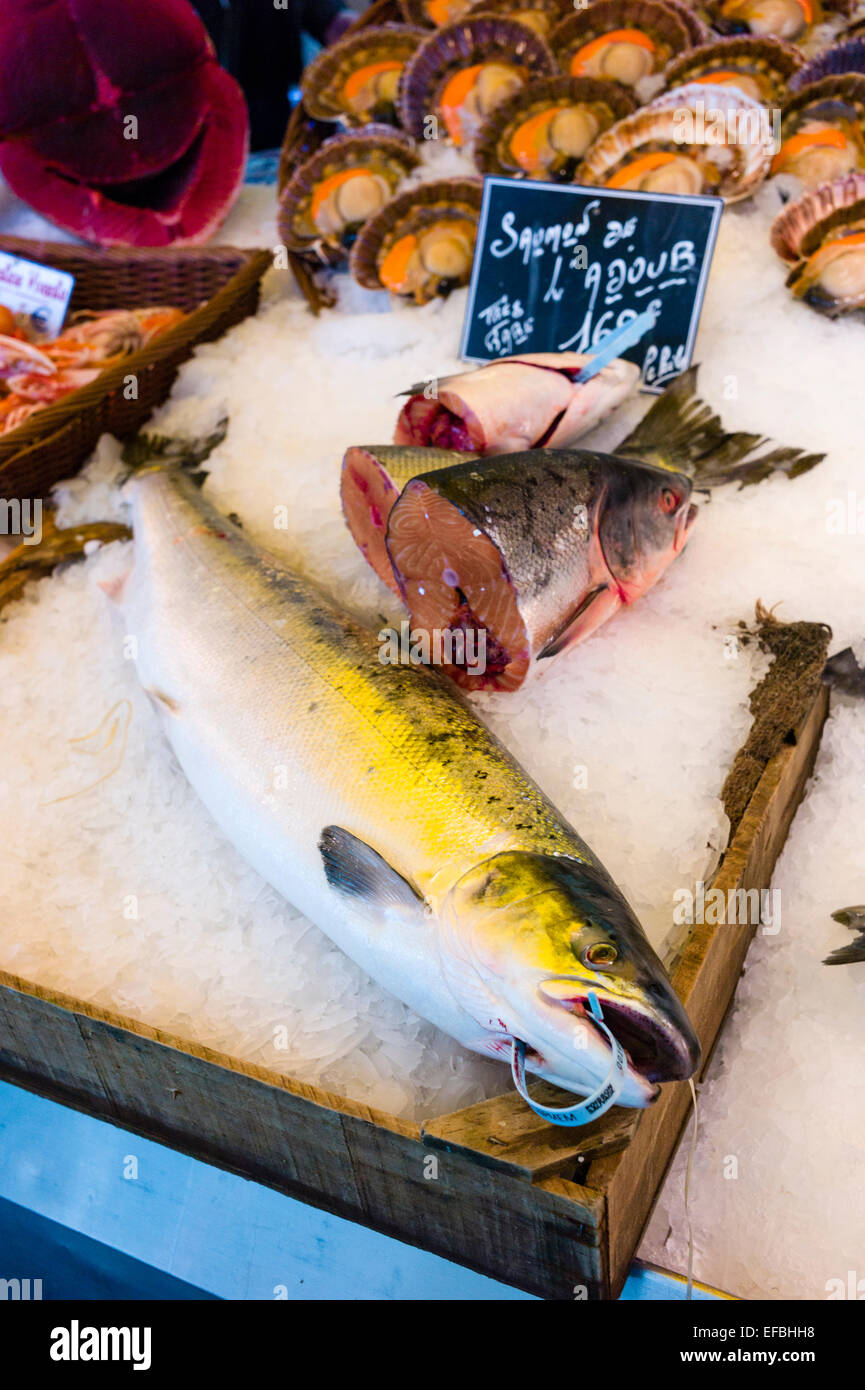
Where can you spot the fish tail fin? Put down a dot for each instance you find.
(173, 451)
(682, 432)
(854, 918)
(37, 556)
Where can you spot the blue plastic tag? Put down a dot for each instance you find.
(614, 344)
(594, 1105)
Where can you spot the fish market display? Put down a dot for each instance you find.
(759, 67)
(823, 130)
(646, 151)
(854, 919)
(460, 74)
(116, 122)
(546, 128)
(482, 78)
(357, 79)
(331, 194)
(372, 798)
(525, 402)
(623, 40)
(35, 375)
(422, 243)
(822, 235)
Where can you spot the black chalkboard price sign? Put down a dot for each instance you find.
(558, 266)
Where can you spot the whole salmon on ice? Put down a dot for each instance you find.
(371, 797)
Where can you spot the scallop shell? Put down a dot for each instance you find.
(610, 102)
(415, 212)
(323, 82)
(698, 31)
(658, 128)
(769, 62)
(433, 14)
(833, 101)
(658, 22)
(843, 57)
(542, 16)
(483, 39)
(800, 227)
(387, 152)
(781, 19)
(832, 280)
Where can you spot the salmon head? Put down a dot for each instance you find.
(644, 522)
(530, 935)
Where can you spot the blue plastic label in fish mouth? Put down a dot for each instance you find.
(594, 1105)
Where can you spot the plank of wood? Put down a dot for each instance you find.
(547, 1238)
(40, 1042)
(503, 1133)
(705, 981)
(26, 1023)
(348, 1158)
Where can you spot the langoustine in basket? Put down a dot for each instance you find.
(33, 375)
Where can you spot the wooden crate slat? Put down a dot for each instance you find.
(545, 1239)
(504, 1134)
(41, 1046)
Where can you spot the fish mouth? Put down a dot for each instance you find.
(657, 1050)
(684, 526)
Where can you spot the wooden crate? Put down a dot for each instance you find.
(550, 1210)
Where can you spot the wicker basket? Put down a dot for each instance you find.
(217, 286)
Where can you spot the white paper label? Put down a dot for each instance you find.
(36, 290)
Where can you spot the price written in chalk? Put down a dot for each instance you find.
(557, 267)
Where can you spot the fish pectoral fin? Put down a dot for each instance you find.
(571, 629)
(359, 872)
(854, 919)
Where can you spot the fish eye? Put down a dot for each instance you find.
(669, 500)
(601, 953)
